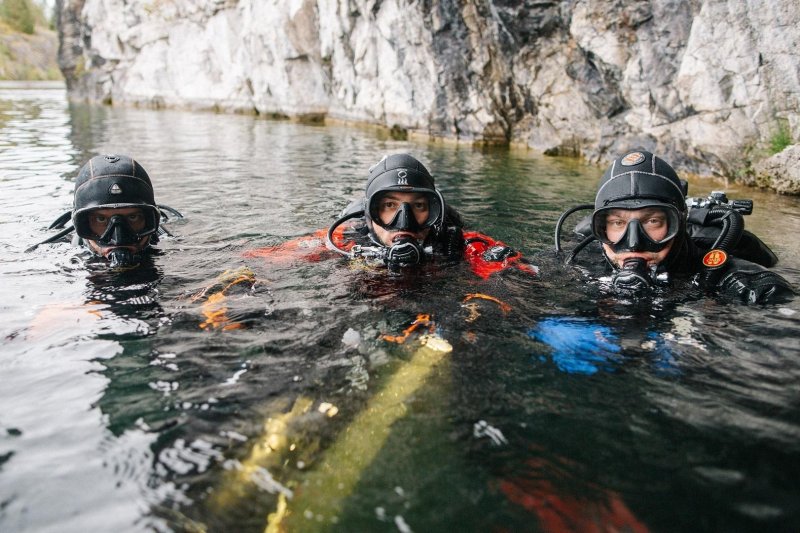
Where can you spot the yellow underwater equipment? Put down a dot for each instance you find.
(313, 499)
(318, 498)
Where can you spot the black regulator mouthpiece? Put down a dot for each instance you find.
(405, 251)
(122, 259)
(635, 277)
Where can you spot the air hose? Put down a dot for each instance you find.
(357, 250)
(732, 228)
(585, 242)
(341, 220)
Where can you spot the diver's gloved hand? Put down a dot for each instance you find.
(633, 277)
(579, 345)
(498, 253)
(404, 251)
(754, 285)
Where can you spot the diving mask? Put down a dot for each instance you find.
(123, 226)
(405, 211)
(648, 229)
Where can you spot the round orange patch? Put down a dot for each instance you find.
(633, 158)
(715, 258)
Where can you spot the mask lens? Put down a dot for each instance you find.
(111, 225)
(118, 232)
(654, 225)
(404, 211)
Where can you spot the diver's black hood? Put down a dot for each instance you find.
(113, 181)
(404, 173)
(639, 179)
(399, 172)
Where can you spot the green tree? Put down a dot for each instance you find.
(19, 14)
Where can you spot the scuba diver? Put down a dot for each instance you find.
(403, 221)
(114, 213)
(401, 225)
(649, 236)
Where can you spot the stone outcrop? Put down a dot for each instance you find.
(780, 172)
(702, 82)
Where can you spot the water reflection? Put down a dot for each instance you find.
(112, 385)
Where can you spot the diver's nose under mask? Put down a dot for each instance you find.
(118, 233)
(403, 220)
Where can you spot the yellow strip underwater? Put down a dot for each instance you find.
(268, 452)
(318, 499)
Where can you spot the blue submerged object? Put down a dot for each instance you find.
(583, 346)
(580, 346)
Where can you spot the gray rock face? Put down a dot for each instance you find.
(780, 172)
(700, 82)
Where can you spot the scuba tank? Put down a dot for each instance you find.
(707, 215)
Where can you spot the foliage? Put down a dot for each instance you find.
(28, 57)
(20, 14)
(780, 139)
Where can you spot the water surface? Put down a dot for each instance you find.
(121, 413)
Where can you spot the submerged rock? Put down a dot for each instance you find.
(697, 82)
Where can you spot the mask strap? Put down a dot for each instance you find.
(54, 238)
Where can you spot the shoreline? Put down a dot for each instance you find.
(32, 84)
(746, 176)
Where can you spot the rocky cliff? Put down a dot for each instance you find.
(706, 83)
(28, 57)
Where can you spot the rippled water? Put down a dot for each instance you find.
(120, 413)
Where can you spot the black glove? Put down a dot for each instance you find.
(755, 287)
(498, 253)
